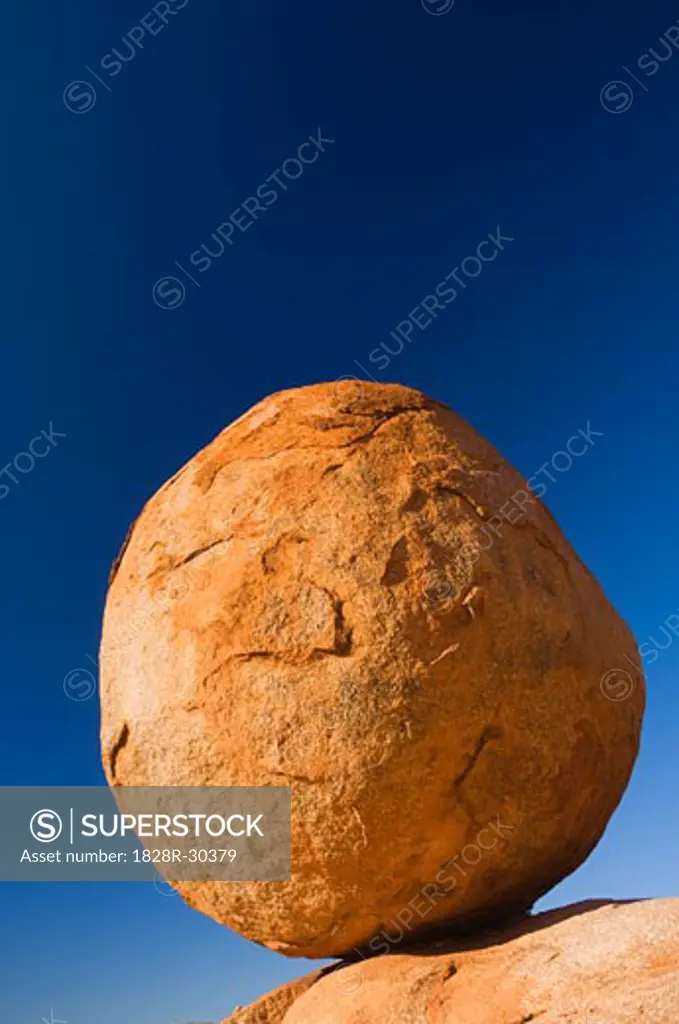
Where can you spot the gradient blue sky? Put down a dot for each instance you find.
(445, 127)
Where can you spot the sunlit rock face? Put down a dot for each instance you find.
(351, 593)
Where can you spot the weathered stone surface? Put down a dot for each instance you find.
(272, 1007)
(317, 600)
(591, 963)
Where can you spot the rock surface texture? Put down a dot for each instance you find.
(587, 964)
(329, 597)
(272, 1008)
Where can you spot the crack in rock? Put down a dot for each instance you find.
(117, 747)
(477, 509)
(361, 439)
(343, 645)
(199, 551)
(299, 778)
(398, 411)
(488, 733)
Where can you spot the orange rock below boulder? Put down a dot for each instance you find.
(591, 963)
(272, 1007)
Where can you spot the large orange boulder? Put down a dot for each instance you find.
(592, 963)
(351, 593)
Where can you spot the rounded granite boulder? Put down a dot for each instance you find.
(351, 593)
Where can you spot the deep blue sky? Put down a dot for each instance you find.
(445, 127)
